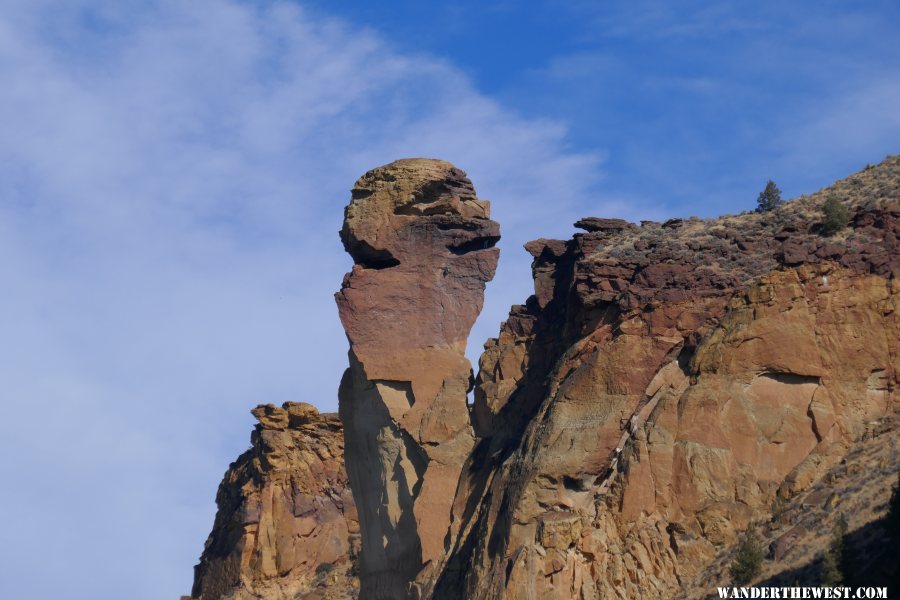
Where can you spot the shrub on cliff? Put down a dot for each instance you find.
(747, 563)
(779, 507)
(892, 521)
(836, 215)
(834, 561)
(769, 198)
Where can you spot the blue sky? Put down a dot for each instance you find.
(173, 174)
(691, 104)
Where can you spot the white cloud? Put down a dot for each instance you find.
(172, 178)
(859, 122)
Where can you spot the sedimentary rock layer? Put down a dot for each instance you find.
(286, 526)
(423, 248)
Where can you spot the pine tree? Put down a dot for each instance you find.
(769, 198)
(831, 570)
(892, 521)
(836, 215)
(834, 561)
(747, 563)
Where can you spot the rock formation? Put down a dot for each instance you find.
(423, 248)
(666, 385)
(286, 525)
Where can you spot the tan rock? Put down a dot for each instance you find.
(286, 517)
(301, 413)
(271, 416)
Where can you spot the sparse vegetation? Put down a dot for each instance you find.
(834, 561)
(769, 198)
(747, 563)
(779, 507)
(324, 569)
(836, 215)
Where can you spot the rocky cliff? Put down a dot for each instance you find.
(286, 525)
(665, 386)
(665, 383)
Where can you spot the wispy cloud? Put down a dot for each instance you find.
(684, 19)
(172, 177)
(699, 104)
(859, 122)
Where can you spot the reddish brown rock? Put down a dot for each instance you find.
(593, 224)
(422, 246)
(286, 525)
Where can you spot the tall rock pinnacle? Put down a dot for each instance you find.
(423, 248)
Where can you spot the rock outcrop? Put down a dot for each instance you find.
(423, 248)
(666, 385)
(286, 525)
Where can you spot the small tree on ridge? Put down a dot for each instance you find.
(769, 198)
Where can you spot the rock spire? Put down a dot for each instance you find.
(423, 249)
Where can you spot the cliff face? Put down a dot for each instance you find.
(665, 383)
(286, 525)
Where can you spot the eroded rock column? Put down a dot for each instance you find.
(423, 248)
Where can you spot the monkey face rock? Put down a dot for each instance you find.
(423, 248)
